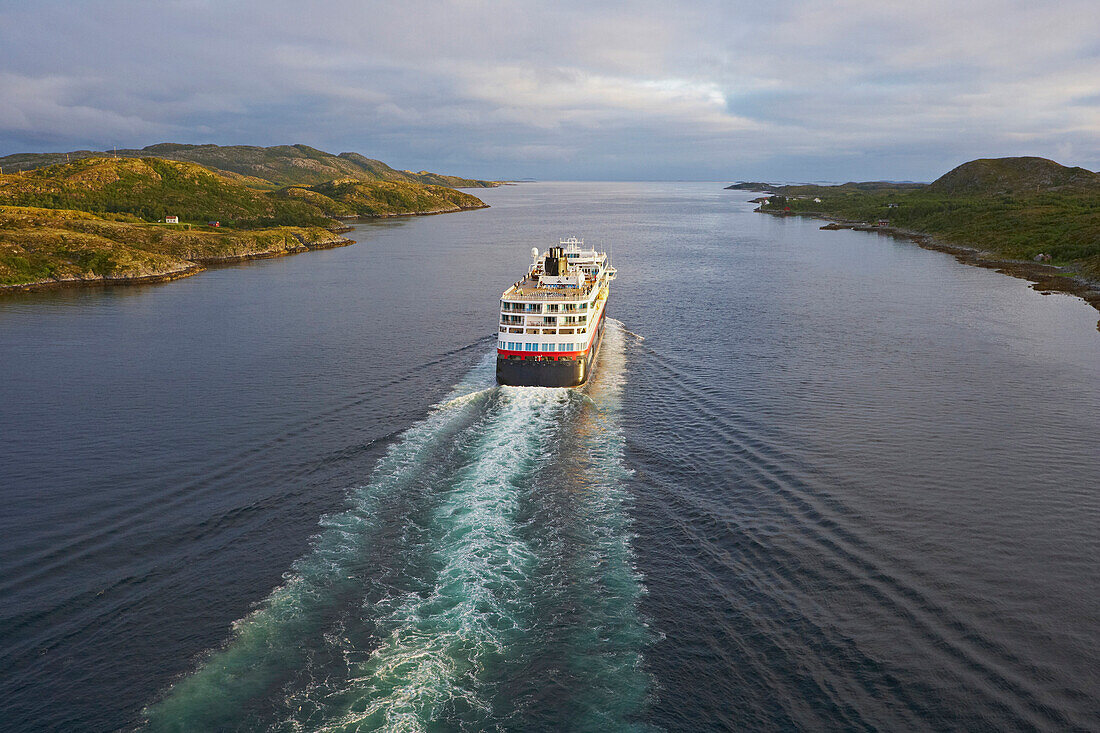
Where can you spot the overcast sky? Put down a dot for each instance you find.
(852, 89)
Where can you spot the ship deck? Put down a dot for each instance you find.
(529, 288)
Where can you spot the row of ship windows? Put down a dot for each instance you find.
(546, 320)
(506, 305)
(521, 346)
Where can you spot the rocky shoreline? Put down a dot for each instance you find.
(1044, 277)
(195, 266)
(99, 281)
(432, 212)
(198, 264)
(145, 219)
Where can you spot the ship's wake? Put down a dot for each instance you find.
(483, 578)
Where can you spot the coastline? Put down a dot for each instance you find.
(199, 264)
(1043, 277)
(432, 212)
(99, 281)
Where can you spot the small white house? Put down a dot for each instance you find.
(171, 220)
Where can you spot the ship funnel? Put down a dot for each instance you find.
(556, 264)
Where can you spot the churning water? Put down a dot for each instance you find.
(505, 510)
(841, 483)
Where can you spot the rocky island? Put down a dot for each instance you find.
(166, 211)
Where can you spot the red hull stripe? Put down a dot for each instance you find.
(571, 354)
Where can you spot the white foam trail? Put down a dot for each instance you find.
(437, 654)
(268, 642)
(436, 646)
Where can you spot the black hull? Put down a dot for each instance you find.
(546, 373)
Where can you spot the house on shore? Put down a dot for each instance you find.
(171, 220)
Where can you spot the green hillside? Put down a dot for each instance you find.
(995, 176)
(45, 247)
(98, 218)
(152, 188)
(281, 165)
(1016, 208)
(388, 198)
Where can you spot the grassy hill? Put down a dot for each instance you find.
(44, 247)
(1023, 176)
(152, 188)
(97, 218)
(1015, 208)
(281, 165)
(378, 199)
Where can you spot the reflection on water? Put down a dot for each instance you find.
(842, 482)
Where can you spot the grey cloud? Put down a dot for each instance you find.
(851, 89)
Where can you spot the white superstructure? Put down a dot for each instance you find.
(555, 312)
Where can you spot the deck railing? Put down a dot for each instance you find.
(562, 294)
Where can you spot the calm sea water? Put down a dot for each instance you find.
(822, 480)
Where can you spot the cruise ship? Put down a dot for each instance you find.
(551, 321)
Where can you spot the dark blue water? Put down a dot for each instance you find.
(822, 480)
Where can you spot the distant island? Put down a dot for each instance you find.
(166, 211)
(1028, 217)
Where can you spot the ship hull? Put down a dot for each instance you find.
(546, 373)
